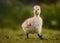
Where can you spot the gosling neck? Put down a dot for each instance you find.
(35, 15)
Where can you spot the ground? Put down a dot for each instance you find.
(18, 36)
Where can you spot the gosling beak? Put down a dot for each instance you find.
(36, 12)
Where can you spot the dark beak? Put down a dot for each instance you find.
(36, 13)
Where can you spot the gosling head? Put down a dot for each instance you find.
(37, 10)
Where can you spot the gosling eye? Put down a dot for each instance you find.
(37, 9)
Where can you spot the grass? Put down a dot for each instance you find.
(18, 36)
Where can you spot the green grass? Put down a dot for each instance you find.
(18, 36)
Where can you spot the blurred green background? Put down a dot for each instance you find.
(14, 12)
